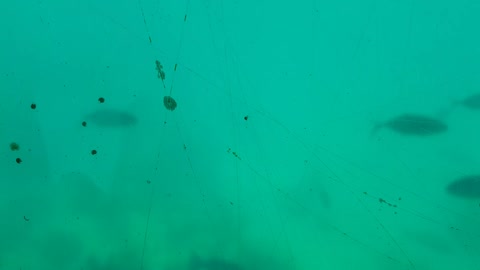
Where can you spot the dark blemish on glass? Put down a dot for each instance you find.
(14, 146)
(387, 203)
(159, 68)
(169, 103)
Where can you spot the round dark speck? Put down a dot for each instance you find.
(33, 106)
(148, 181)
(246, 117)
(101, 100)
(94, 152)
(14, 146)
(84, 123)
(18, 160)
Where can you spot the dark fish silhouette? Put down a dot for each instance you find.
(197, 263)
(466, 187)
(413, 124)
(471, 102)
(112, 118)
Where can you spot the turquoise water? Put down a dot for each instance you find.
(239, 135)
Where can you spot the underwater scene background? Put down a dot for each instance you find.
(239, 135)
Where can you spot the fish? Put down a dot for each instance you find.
(471, 102)
(414, 124)
(112, 118)
(198, 263)
(465, 187)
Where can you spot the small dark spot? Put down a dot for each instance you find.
(365, 193)
(149, 182)
(26, 219)
(33, 106)
(94, 152)
(14, 146)
(395, 213)
(399, 198)
(231, 203)
(18, 160)
(101, 99)
(84, 123)
(381, 200)
(246, 117)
